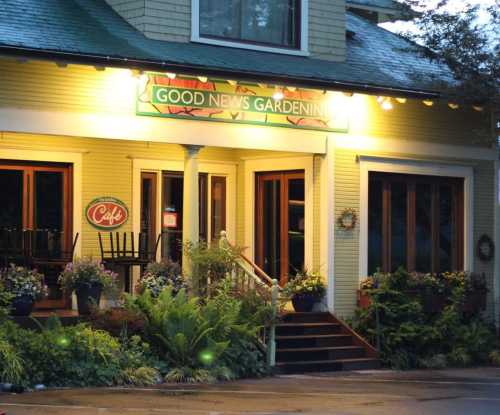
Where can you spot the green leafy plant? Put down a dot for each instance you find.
(11, 365)
(87, 272)
(21, 282)
(210, 263)
(160, 275)
(5, 301)
(409, 336)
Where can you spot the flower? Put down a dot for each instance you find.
(161, 275)
(305, 284)
(21, 281)
(86, 272)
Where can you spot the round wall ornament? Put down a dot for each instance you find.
(485, 248)
(347, 219)
(106, 213)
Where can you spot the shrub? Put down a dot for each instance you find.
(160, 275)
(73, 356)
(210, 263)
(11, 365)
(5, 301)
(410, 337)
(202, 341)
(495, 357)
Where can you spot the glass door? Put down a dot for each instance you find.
(280, 223)
(37, 199)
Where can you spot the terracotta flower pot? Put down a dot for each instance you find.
(22, 306)
(364, 299)
(88, 297)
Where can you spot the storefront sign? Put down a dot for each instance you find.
(106, 213)
(213, 100)
(170, 219)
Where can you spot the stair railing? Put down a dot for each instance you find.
(247, 276)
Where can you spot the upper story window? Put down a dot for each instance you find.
(268, 25)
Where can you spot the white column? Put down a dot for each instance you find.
(191, 203)
(496, 281)
(327, 220)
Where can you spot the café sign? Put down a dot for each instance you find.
(106, 213)
(214, 100)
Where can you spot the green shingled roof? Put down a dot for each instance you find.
(383, 4)
(91, 31)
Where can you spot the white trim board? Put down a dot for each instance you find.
(304, 34)
(251, 167)
(423, 168)
(161, 130)
(367, 146)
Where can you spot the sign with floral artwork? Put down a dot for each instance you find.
(106, 213)
(214, 100)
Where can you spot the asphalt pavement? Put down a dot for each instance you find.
(453, 392)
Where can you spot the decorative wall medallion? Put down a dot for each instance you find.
(485, 248)
(106, 213)
(347, 219)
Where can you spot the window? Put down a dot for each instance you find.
(274, 25)
(416, 222)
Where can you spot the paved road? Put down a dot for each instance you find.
(453, 392)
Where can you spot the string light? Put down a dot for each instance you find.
(453, 105)
(380, 99)
(348, 93)
(291, 88)
(263, 86)
(387, 105)
(478, 108)
(428, 102)
(203, 79)
(171, 75)
(401, 100)
(232, 82)
(278, 94)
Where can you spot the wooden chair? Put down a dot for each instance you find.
(123, 251)
(15, 247)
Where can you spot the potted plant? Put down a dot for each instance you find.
(305, 290)
(87, 277)
(25, 287)
(160, 275)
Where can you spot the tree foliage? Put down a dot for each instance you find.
(468, 44)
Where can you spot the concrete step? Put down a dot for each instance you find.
(327, 365)
(320, 353)
(313, 340)
(294, 329)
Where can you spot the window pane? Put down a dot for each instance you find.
(11, 199)
(445, 228)
(260, 21)
(296, 205)
(172, 217)
(398, 225)
(423, 227)
(272, 221)
(49, 200)
(218, 206)
(375, 215)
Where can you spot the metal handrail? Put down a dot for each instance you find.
(257, 279)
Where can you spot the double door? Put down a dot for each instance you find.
(280, 223)
(36, 200)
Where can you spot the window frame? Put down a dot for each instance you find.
(369, 163)
(303, 36)
(411, 181)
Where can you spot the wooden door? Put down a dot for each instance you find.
(280, 223)
(39, 199)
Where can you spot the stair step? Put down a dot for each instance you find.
(319, 353)
(312, 340)
(307, 328)
(313, 317)
(327, 365)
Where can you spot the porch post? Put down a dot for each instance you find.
(190, 211)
